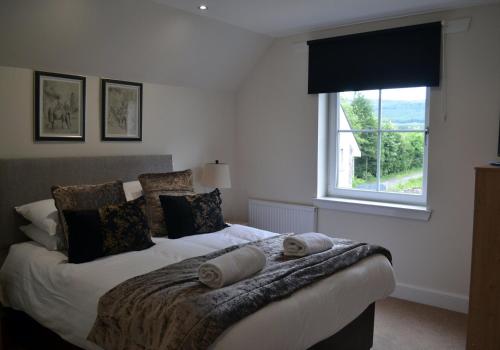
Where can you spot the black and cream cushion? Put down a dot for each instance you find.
(193, 214)
(109, 230)
(124, 227)
(154, 185)
(86, 197)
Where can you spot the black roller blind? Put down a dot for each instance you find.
(391, 58)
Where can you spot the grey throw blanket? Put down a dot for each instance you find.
(170, 309)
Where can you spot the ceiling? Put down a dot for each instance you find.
(135, 40)
(285, 17)
(160, 42)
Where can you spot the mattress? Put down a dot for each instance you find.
(64, 297)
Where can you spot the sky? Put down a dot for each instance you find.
(407, 94)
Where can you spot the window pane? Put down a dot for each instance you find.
(402, 160)
(403, 109)
(359, 110)
(357, 160)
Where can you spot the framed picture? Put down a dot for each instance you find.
(59, 107)
(121, 110)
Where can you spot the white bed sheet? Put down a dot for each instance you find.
(64, 297)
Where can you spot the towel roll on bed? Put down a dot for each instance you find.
(232, 267)
(306, 243)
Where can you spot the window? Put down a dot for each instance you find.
(377, 145)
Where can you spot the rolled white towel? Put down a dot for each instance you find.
(232, 267)
(306, 243)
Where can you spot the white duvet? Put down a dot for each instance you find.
(64, 297)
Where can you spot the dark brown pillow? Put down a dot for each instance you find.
(86, 197)
(176, 183)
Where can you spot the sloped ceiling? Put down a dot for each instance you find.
(286, 17)
(137, 40)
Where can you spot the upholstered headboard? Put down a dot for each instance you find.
(26, 180)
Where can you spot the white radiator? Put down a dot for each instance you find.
(281, 217)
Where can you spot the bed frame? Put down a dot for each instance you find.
(27, 180)
(20, 332)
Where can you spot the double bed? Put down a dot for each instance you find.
(64, 297)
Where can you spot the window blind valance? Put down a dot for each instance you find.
(391, 58)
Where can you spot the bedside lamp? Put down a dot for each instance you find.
(216, 175)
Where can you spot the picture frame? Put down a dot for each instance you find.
(59, 107)
(121, 110)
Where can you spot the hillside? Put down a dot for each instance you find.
(403, 114)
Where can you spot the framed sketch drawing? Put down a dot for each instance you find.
(59, 107)
(121, 110)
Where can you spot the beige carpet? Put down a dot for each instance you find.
(403, 325)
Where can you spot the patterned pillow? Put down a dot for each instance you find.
(86, 197)
(153, 185)
(109, 230)
(193, 214)
(124, 227)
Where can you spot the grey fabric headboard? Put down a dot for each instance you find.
(26, 180)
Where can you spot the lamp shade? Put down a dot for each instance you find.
(216, 175)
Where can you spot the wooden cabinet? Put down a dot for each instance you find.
(484, 302)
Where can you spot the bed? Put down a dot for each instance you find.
(63, 297)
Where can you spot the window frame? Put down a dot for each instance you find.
(331, 189)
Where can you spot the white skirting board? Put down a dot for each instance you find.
(444, 300)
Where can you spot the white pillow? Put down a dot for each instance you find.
(133, 190)
(42, 237)
(42, 214)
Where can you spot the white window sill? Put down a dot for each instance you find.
(403, 211)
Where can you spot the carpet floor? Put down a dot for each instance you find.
(403, 325)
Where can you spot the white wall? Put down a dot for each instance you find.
(195, 126)
(276, 141)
